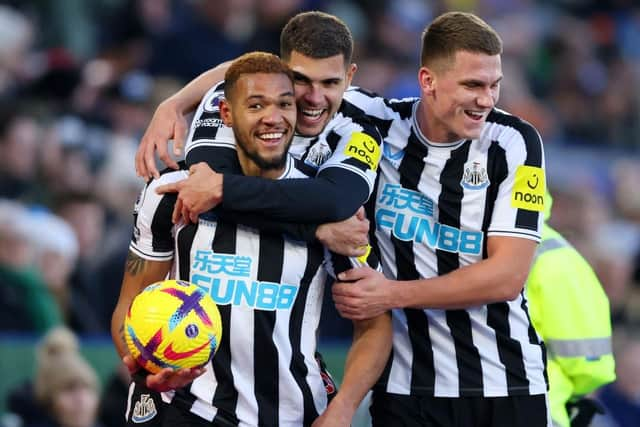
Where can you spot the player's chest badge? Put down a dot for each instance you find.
(317, 154)
(475, 176)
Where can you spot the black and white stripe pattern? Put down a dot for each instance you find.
(435, 205)
(264, 372)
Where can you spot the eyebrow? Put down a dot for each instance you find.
(480, 82)
(299, 76)
(282, 95)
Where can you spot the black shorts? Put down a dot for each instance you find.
(144, 406)
(397, 410)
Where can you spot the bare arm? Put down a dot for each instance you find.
(169, 123)
(365, 362)
(137, 275)
(500, 277)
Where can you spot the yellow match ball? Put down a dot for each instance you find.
(172, 324)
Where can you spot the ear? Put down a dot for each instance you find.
(426, 79)
(351, 70)
(225, 112)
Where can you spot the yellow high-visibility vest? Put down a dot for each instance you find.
(570, 311)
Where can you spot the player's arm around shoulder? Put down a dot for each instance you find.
(358, 147)
(169, 123)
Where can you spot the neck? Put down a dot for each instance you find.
(250, 168)
(428, 126)
(421, 118)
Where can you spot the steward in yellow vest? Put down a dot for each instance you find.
(570, 311)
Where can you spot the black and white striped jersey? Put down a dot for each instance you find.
(269, 290)
(434, 207)
(349, 141)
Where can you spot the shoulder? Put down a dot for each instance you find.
(351, 120)
(370, 103)
(514, 135)
(512, 128)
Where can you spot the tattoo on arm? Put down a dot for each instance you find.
(135, 264)
(121, 334)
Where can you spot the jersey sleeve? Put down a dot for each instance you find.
(343, 183)
(152, 237)
(333, 196)
(519, 205)
(209, 140)
(357, 147)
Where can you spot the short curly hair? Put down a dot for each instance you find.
(251, 63)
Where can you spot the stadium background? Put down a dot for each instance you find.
(79, 80)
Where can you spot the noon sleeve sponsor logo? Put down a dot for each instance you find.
(528, 189)
(227, 278)
(364, 148)
(408, 215)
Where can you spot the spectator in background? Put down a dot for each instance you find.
(87, 217)
(56, 256)
(20, 137)
(16, 37)
(27, 303)
(64, 391)
(270, 17)
(139, 34)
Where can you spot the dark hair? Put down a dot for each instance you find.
(317, 35)
(455, 31)
(251, 63)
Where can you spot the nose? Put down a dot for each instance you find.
(272, 115)
(313, 94)
(486, 99)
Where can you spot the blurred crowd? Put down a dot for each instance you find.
(79, 81)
